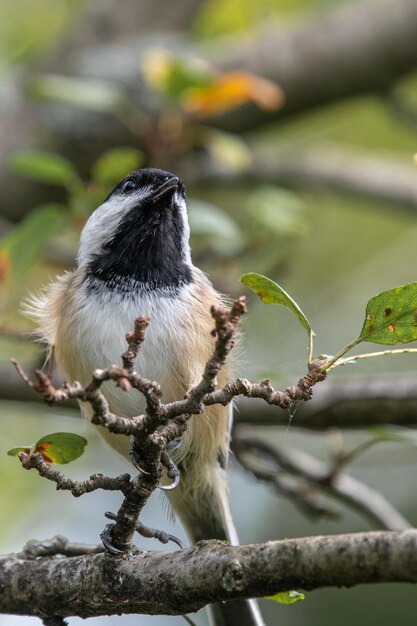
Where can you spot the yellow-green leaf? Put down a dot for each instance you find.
(391, 316)
(287, 597)
(47, 167)
(115, 164)
(173, 75)
(16, 451)
(271, 293)
(230, 151)
(61, 447)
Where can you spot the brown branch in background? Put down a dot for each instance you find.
(324, 168)
(314, 70)
(401, 109)
(312, 478)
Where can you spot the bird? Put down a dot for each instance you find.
(134, 259)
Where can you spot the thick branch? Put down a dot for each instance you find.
(359, 47)
(325, 168)
(185, 581)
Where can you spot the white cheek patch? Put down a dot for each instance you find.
(104, 222)
(182, 207)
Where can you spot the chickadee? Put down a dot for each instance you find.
(134, 259)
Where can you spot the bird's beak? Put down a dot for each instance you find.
(167, 188)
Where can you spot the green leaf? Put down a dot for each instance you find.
(391, 316)
(393, 433)
(271, 293)
(115, 164)
(25, 243)
(45, 166)
(287, 597)
(16, 451)
(94, 95)
(61, 447)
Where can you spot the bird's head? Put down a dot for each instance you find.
(140, 232)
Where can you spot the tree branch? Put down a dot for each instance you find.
(356, 48)
(346, 404)
(326, 168)
(314, 477)
(185, 581)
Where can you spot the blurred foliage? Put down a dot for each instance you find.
(218, 18)
(199, 90)
(92, 95)
(28, 27)
(25, 245)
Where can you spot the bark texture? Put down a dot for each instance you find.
(181, 582)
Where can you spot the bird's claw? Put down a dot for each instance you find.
(106, 539)
(172, 472)
(135, 457)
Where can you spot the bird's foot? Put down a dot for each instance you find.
(172, 472)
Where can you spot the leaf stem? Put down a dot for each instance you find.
(310, 348)
(329, 364)
(370, 355)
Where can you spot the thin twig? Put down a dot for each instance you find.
(36, 461)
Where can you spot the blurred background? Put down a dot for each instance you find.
(293, 124)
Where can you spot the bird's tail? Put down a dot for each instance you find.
(204, 512)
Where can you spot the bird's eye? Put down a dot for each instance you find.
(129, 185)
